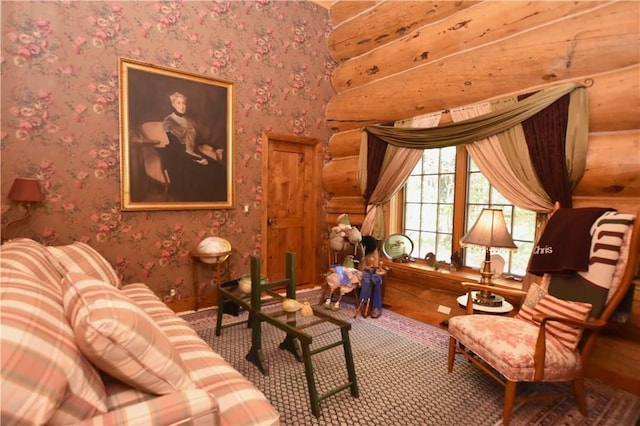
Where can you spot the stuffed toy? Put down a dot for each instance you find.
(343, 236)
(342, 279)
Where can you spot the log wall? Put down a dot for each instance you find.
(401, 59)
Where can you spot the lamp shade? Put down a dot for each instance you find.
(489, 231)
(25, 189)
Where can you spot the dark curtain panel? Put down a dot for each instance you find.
(376, 149)
(545, 133)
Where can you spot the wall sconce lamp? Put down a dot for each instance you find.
(26, 191)
(489, 231)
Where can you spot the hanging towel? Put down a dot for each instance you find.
(565, 244)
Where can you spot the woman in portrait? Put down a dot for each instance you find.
(195, 170)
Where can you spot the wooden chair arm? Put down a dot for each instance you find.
(595, 324)
(539, 355)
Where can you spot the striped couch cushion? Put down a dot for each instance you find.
(240, 402)
(84, 259)
(120, 338)
(44, 376)
(32, 258)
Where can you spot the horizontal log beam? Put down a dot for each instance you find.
(340, 11)
(561, 51)
(346, 205)
(622, 204)
(613, 166)
(340, 177)
(345, 144)
(384, 23)
(478, 25)
(613, 103)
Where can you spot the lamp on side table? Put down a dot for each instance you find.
(489, 231)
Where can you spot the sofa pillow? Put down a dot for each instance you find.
(84, 259)
(44, 378)
(120, 338)
(566, 334)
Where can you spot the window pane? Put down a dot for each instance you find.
(523, 222)
(445, 218)
(430, 189)
(447, 159)
(415, 237)
(520, 259)
(447, 188)
(427, 244)
(497, 198)
(437, 196)
(429, 217)
(430, 162)
(413, 189)
(478, 189)
(473, 257)
(412, 216)
(473, 213)
(443, 252)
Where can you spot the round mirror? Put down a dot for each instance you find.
(397, 245)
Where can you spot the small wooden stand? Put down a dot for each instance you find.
(220, 270)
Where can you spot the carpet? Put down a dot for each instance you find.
(402, 378)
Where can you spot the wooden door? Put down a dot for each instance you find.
(291, 170)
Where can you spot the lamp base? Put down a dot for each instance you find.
(487, 299)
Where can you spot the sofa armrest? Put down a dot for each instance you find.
(193, 406)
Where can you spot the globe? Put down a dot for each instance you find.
(214, 245)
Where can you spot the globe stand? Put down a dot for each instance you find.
(213, 252)
(216, 261)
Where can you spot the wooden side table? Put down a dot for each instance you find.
(219, 263)
(505, 308)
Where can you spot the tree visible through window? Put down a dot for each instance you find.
(430, 212)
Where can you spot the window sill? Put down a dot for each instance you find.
(441, 278)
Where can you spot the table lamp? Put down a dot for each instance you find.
(26, 191)
(489, 231)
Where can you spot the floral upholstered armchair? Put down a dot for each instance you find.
(552, 335)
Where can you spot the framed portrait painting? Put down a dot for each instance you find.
(175, 139)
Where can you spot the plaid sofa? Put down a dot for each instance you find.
(78, 347)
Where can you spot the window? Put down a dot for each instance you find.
(443, 197)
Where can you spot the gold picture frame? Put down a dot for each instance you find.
(175, 139)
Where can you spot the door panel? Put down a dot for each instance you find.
(291, 190)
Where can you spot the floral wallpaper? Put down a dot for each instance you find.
(60, 116)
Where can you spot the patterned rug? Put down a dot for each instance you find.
(402, 378)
